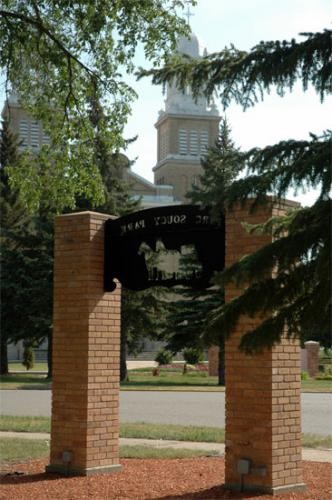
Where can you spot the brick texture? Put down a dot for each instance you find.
(213, 358)
(262, 391)
(86, 350)
(312, 353)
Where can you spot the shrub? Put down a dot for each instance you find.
(304, 376)
(325, 376)
(193, 355)
(28, 357)
(163, 357)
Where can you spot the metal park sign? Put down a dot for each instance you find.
(129, 240)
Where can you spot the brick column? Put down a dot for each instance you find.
(262, 391)
(86, 351)
(213, 358)
(312, 353)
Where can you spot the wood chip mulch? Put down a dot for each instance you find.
(194, 478)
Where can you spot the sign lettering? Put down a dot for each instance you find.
(174, 226)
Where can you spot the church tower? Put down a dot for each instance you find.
(185, 130)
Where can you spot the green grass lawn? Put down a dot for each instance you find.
(23, 449)
(152, 431)
(127, 430)
(12, 449)
(24, 380)
(37, 367)
(168, 380)
(316, 385)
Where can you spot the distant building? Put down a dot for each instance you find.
(185, 129)
(29, 131)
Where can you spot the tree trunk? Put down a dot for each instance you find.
(49, 354)
(3, 356)
(123, 358)
(221, 364)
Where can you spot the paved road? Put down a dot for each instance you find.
(186, 408)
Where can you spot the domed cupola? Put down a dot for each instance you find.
(188, 46)
(181, 101)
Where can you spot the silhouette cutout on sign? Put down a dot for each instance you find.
(126, 239)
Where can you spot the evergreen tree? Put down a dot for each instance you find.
(298, 296)
(221, 165)
(12, 215)
(26, 261)
(187, 316)
(141, 318)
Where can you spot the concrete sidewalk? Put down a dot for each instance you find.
(314, 455)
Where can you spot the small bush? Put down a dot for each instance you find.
(304, 376)
(28, 357)
(326, 376)
(163, 357)
(193, 355)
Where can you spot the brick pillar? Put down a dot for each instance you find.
(213, 358)
(86, 351)
(312, 353)
(262, 391)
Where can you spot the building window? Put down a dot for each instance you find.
(163, 145)
(194, 146)
(23, 132)
(183, 148)
(193, 142)
(204, 141)
(46, 138)
(34, 134)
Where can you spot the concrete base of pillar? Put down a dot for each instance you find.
(70, 471)
(277, 490)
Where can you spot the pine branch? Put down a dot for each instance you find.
(246, 76)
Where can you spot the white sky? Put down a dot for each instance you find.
(244, 23)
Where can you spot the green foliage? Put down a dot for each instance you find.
(246, 76)
(142, 316)
(27, 280)
(325, 376)
(28, 357)
(164, 357)
(187, 318)
(26, 257)
(193, 355)
(221, 165)
(68, 61)
(304, 376)
(297, 298)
